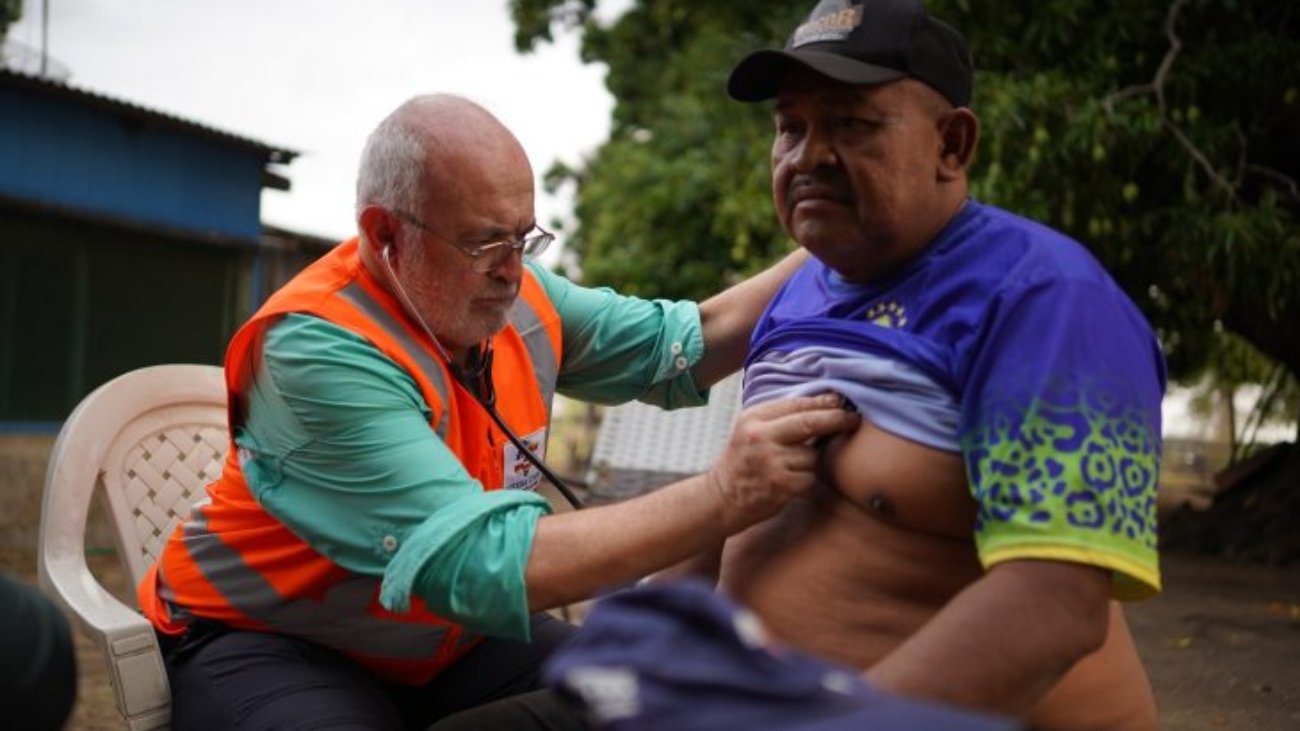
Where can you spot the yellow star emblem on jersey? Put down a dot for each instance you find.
(887, 314)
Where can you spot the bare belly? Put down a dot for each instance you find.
(850, 573)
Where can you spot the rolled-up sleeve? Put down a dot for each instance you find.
(619, 348)
(338, 447)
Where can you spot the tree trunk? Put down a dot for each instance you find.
(1275, 335)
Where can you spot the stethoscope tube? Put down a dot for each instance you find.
(485, 375)
(536, 461)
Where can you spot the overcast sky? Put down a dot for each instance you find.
(315, 76)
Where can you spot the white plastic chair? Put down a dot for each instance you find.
(151, 439)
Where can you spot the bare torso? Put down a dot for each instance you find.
(851, 572)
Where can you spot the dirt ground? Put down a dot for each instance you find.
(1222, 645)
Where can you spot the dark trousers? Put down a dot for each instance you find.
(224, 679)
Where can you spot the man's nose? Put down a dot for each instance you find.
(814, 151)
(510, 268)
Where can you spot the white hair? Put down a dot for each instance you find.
(392, 165)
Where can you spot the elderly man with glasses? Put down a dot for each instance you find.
(375, 554)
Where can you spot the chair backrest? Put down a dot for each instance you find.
(152, 439)
(160, 464)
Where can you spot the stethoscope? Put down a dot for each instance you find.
(478, 382)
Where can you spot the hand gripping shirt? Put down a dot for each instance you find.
(1006, 341)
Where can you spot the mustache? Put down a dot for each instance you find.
(803, 186)
(504, 291)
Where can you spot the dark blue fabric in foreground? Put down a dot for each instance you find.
(679, 656)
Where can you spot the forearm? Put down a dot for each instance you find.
(769, 459)
(1006, 640)
(705, 565)
(728, 318)
(574, 555)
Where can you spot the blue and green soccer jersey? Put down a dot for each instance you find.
(1013, 345)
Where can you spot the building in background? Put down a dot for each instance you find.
(128, 237)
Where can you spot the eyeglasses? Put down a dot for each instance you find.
(488, 256)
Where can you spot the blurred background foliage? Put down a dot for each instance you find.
(10, 12)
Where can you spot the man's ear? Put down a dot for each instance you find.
(959, 132)
(378, 228)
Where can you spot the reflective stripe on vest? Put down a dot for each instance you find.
(339, 618)
(546, 364)
(428, 366)
(522, 316)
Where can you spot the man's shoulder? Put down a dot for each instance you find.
(297, 331)
(1019, 250)
(301, 347)
(813, 287)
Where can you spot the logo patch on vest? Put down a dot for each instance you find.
(520, 474)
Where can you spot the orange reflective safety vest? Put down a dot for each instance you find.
(233, 562)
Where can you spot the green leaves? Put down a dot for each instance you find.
(10, 12)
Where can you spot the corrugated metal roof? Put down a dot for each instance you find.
(12, 77)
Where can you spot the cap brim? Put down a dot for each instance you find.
(759, 75)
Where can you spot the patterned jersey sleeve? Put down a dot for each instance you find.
(1060, 430)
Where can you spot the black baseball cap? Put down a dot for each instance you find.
(864, 42)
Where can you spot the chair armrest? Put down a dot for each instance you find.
(125, 638)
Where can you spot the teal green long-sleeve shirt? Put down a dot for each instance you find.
(337, 446)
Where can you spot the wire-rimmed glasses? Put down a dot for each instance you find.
(492, 254)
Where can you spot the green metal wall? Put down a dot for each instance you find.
(81, 303)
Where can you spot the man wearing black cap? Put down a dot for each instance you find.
(976, 531)
(971, 536)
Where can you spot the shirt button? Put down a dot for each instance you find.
(389, 543)
(680, 363)
(676, 348)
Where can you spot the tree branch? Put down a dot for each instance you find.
(1156, 87)
(1290, 188)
